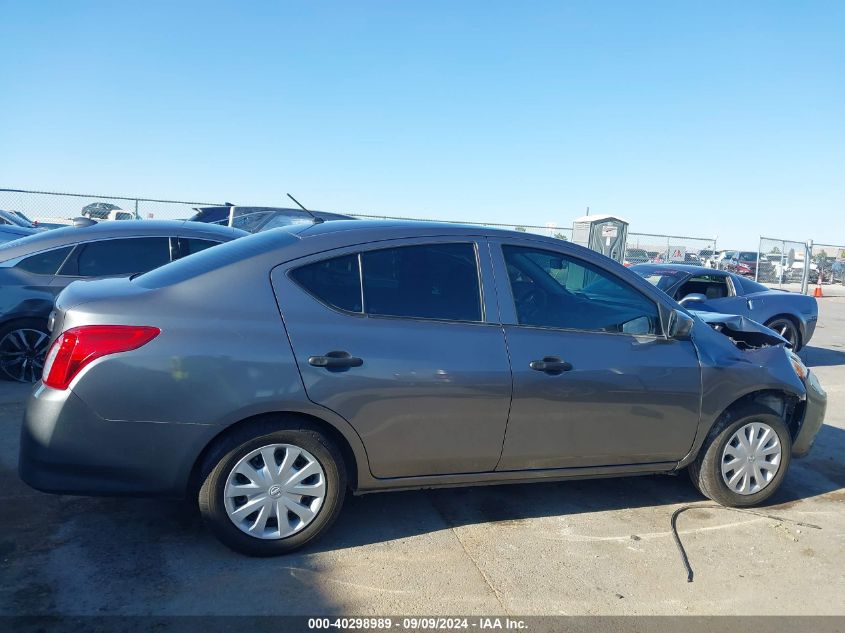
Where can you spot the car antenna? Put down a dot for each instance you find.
(317, 220)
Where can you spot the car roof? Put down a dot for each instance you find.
(116, 229)
(387, 229)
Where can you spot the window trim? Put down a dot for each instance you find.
(384, 246)
(661, 335)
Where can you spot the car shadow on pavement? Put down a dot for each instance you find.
(822, 356)
(384, 517)
(41, 522)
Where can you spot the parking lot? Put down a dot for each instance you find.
(589, 547)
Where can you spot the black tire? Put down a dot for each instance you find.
(793, 334)
(29, 373)
(706, 472)
(223, 458)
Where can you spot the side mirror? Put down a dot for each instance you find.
(693, 298)
(680, 325)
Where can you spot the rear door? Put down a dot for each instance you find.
(402, 339)
(595, 381)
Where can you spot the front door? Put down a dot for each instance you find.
(595, 381)
(397, 341)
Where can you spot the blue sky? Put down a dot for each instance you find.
(700, 118)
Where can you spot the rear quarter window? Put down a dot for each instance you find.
(336, 282)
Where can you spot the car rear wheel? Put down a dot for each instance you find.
(23, 346)
(269, 494)
(787, 329)
(744, 459)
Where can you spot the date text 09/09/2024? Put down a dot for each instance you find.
(417, 623)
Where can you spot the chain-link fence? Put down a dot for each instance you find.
(828, 261)
(778, 263)
(796, 266)
(48, 208)
(648, 247)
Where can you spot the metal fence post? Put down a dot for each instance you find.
(808, 255)
(757, 268)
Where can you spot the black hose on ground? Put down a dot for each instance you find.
(677, 537)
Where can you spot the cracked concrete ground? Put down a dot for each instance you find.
(586, 547)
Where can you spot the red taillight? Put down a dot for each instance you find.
(79, 346)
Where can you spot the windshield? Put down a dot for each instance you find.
(747, 256)
(663, 279)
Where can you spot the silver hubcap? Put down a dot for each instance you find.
(751, 458)
(275, 491)
(22, 354)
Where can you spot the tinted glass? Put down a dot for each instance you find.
(282, 219)
(122, 257)
(250, 221)
(46, 263)
(552, 290)
(750, 286)
(434, 281)
(192, 245)
(335, 282)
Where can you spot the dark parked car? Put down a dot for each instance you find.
(635, 256)
(10, 232)
(33, 270)
(256, 219)
(790, 314)
(270, 374)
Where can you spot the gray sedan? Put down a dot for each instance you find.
(34, 269)
(267, 376)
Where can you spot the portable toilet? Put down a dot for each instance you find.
(605, 234)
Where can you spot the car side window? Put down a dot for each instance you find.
(46, 263)
(119, 257)
(336, 282)
(553, 290)
(431, 281)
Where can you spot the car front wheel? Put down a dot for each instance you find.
(270, 494)
(744, 459)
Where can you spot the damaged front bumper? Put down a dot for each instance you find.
(744, 332)
(814, 410)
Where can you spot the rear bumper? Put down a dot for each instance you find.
(66, 448)
(809, 329)
(814, 410)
